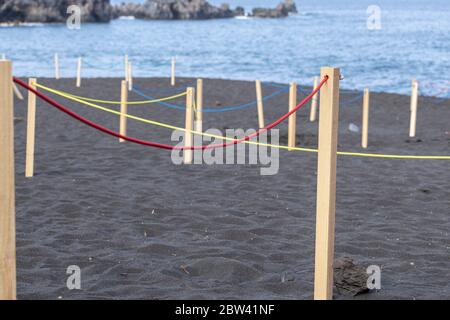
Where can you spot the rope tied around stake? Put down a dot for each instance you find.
(232, 141)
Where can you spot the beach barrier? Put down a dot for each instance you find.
(126, 67)
(123, 109)
(326, 177)
(78, 84)
(245, 105)
(172, 74)
(130, 76)
(31, 129)
(326, 184)
(17, 92)
(7, 186)
(171, 127)
(313, 111)
(365, 120)
(188, 136)
(292, 123)
(260, 104)
(413, 109)
(56, 61)
(199, 107)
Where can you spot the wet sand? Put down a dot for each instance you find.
(140, 227)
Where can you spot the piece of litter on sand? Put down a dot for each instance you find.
(286, 276)
(353, 127)
(185, 269)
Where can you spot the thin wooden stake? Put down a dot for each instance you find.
(17, 91)
(172, 79)
(260, 104)
(7, 186)
(31, 129)
(414, 99)
(326, 184)
(292, 131)
(313, 112)
(126, 67)
(56, 66)
(365, 120)
(79, 72)
(130, 76)
(123, 109)
(199, 107)
(188, 136)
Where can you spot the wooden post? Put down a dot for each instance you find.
(172, 79)
(414, 98)
(31, 128)
(16, 90)
(199, 107)
(188, 136)
(313, 111)
(130, 76)
(126, 67)
(326, 184)
(123, 109)
(365, 120)
(292, 131)
(79, 72)
(56, 66)
(260, 104)
(7, 186)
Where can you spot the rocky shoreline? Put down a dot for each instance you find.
(55, 11)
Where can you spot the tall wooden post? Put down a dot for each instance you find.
(259, 101)
(313, 111)
(292, 131)
(414, 98)
(172, 78)
(57, 75)
(188, 136)
(31, 129)
(199, 107)
(365, 119)
(123, 109)
(79, 72)
(326, 184)
(7, 186)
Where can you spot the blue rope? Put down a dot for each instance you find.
(210, 110)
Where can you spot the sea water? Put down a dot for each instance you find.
(412, 41)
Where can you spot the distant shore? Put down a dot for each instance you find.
(16, 12)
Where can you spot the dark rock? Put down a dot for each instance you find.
(282, 10)
(350, 278)
(175, 9)
(45, 11)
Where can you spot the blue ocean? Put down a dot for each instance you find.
(412, 41)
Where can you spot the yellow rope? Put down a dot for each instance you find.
(168, 126)
(114, 102)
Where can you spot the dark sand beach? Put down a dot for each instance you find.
(141, 227)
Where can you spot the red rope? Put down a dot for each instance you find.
(160, 145)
